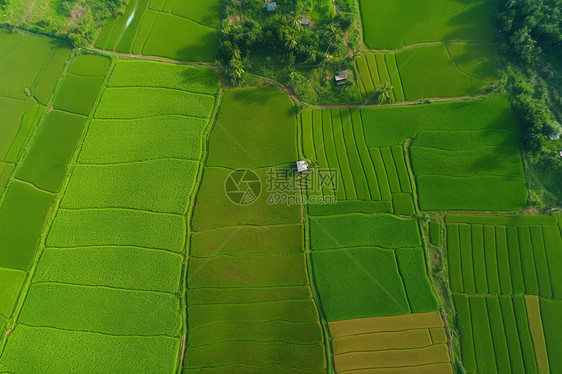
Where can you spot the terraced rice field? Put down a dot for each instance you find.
(31, 66)
(403, 343)
(159, 27)
(393, 25)
(126, 203)
(502, 271)
(454, 143)
(336, 140)
(376, 258)
(250, 306)
(429, 71)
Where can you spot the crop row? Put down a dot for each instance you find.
(505, 260)
(376, 69)
(377, 258)
(121, 217)
(153, 27)
(402, 341)
(336, 140)
(249, 305)
(501, 334)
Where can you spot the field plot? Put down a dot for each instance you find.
(118, 238)
(250, 306)
(403, 343)
(393, 25)
(429, 71)
(158, 28)
(336, 140)
(510, 256)
(465, 155)
(31, 66)
(499, 268)
(378, 262)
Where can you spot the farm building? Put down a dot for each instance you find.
(302, 166)
(270, 7)
(305, 22)
(342, 77)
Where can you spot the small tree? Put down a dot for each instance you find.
(383, 93)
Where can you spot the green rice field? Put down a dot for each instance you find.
(429, 71)
(158, 28)
(502, 271)
(154, 217)
(392, 25)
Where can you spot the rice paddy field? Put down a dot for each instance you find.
(504, 278)
(158, 28)
(152, 218)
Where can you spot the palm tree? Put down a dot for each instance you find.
(384, 92)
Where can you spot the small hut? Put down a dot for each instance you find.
(270, 6)
(342, 77)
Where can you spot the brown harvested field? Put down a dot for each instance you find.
(394, 344)
(390, 323)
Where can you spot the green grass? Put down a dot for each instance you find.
(504, 268)
(78, 94)
(104, 310)
(207, 13)
(438, 192)
(12, 281)
(428, 71)
(515, 266)
(553, 244)
(479, 60)
(167, 39)
(217, 210)
(199, 296)
(464, 323)
(32, 62)
(391, 171)
(368, 285)
(169, 136)
(256, 353)
(479, 259)
(231, 241)
(298, 333)
(74, 228)
(491, 260)
(347, 207)
(133, 185)
(539, 254)
(495, 161)
(403, 204)
(551, 312)
(512, 220)
(255, 127)
(103, 266)
(22, 217)
(255, 270)
(498, 333)
(288, 310)
(471, 140)
(537, 332)
(86, 352)
(390, 25)
(353, 230)
(90, 65)
(128, 38)
(454, 257)
(137, 102)
(411, 264)
(435, 232)
(467, 259)
(390, 126)
(483, 344)
(528, 261)
(46, 163)
(524, 335)
(153, 74)
(512, 335)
